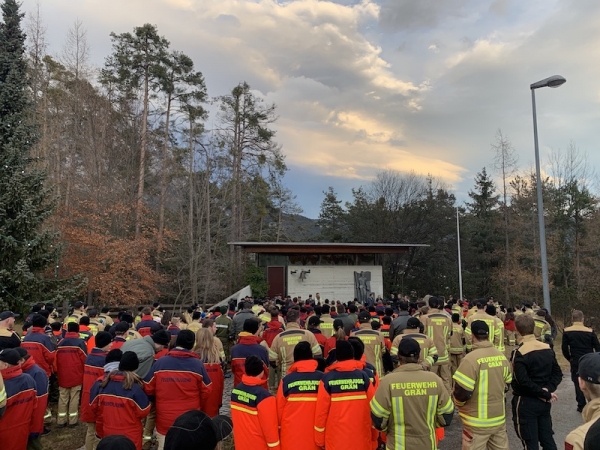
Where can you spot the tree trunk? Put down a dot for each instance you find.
(163, 186)
(192, 267)
(142, 170)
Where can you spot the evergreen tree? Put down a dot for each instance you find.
(331, 218)
(26, 246)
(483, 236)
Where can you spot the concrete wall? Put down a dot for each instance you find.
(332, 282)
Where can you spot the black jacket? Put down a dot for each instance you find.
(534, 368)
(577, 341)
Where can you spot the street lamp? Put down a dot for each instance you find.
(553, 82)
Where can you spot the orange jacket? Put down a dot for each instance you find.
(254, 416)
(343, 398)
(296, 403)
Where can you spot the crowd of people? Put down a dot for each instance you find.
(307, 374)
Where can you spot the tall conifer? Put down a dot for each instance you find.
(27, 248)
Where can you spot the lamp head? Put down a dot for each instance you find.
(554, 81)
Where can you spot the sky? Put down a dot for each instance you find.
(363, 86)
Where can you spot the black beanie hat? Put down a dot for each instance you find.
(194, 430)
(343, 351)
(113, 356)
(186, 339)
(302, 351)
(115, 442)
(129, 362)
(161, 337)
(358, 346)
(254, 366)
(103, 338)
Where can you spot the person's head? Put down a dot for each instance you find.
(185, 339)
(274, 314)
(103, 340)
(115, 442)
(126, 317)
(456, 318)
(121, 328)
(344, 351)
(92, 313)
(252, 325)
(105, 310)
(408, 351)
(196, 316)
(79, 306)
(403, 305)
(302, 351)
(73, 327)
(480, 330)
(205, 346)
(7, 319)
(293, 316)
(129, 362)
(481, 303)
(413, 323)
(434, 303)
(254, 367)
(490, 309)
(194, 430)
(358, 347)
(577, 316)
(325, 309)
(162, 339)
(155, 305)
(247, 305)
(9, 357)
(56, 326)
(589, 375)
(22, 354)
(352, 309)
(341, 309)
(525, 324)
(387, 320)
(338, 329)
(39, 321)
(146, 311)
(85, 321)
(314, 322)
(210, 324)
(364, 317)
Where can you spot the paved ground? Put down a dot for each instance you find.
(564, 416)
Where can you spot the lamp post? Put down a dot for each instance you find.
(553, 82)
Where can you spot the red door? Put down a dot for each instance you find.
(276, 280)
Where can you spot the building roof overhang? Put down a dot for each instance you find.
(324, 247)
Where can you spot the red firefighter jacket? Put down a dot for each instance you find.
(215, 398)
(272, 329)
(18, 420)
(343, 397)
(70, 359)
(39, 345)
(321, 338)
(296, 403)
(30, 368)
(92, 370)
(179, 383)
(254, 416)
(118, 342)
(248, 346)
(119, 410)
(148, 326)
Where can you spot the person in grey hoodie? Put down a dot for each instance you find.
(240, 318)
(399, 323)
(146, 348)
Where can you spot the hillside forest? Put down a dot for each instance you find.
(137, 196)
